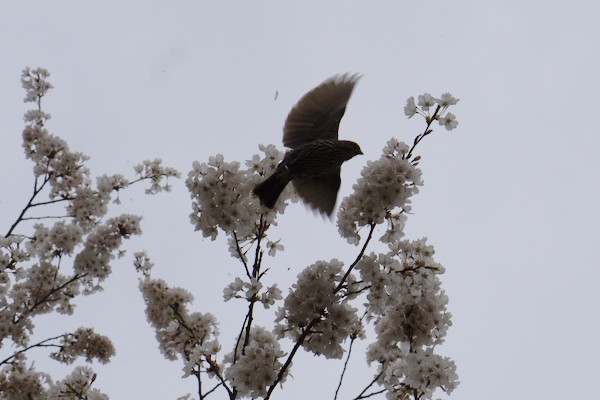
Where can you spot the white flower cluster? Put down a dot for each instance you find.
(93, 262)
(77, 385)
(404, 294)
(53, 160)
(409, 309)
(35, 267)
(254, 369)
(426, 101)
(142, 263)
(421, 371)
(59, 240)
(314, 304)
(84, 342)
(221, 194)
(35, 83)
(385, 185)
(40, 288)
(250, 290)
(11, 255)
(18, 382)
(191, 336)
(156, 172)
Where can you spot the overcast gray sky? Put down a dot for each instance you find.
(510, 197)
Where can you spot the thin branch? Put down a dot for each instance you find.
(262, 227)
(288, 362)
(36, 191)
(362, 395)
(43, 203)
(213, 389)
(199, 378)
(40, 344)
(239, 339)
(46, 217)
(427, 131)
(250, 318)
(366, 396)
(210, 362)
(344, 369)
(47, 296)
(240, 254)
(362, 252)
(215, 368)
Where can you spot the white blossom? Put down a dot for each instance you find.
(449, 121)
(274, 246)
(156, 173)
(232, 289)
(84, 342)
(447, 100)
(385, 185)
(426, 101)
(198, 330)
(252, 288)
(142, 263)
(77, 385)
(270, 296)
(35, 83)
(411, 108)
(313, 301)
(256, 364)
(420, 371)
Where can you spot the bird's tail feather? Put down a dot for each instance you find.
(269, 190)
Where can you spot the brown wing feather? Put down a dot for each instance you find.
(319, 193)
(318, 113)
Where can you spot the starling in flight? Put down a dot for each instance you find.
(314, 162)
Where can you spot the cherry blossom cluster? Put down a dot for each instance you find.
(408, 307)
(191, 336)
(156, 173)
(255, 367)
(419, 371)
(17, 381)
(222, 198)
(426, 102)
(45, 267)
(385, 185)
(77, 385)
(252, 290)
(316, 310)
(84, 342)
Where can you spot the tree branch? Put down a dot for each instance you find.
(427, 131)
(362, 252)
(36, 191)
(40, 344)
(345, 367)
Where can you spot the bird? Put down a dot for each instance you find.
(313, 163)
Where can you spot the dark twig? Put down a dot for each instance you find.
(36, 191)
(427, 131)
(362, 252)
(362, 395)
(352, 338)
(288, 361)
(40, 344)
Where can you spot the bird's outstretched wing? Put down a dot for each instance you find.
(319, 193)
(318, 113)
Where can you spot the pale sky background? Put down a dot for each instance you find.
(510, 198)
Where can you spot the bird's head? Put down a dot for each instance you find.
(349, 149)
